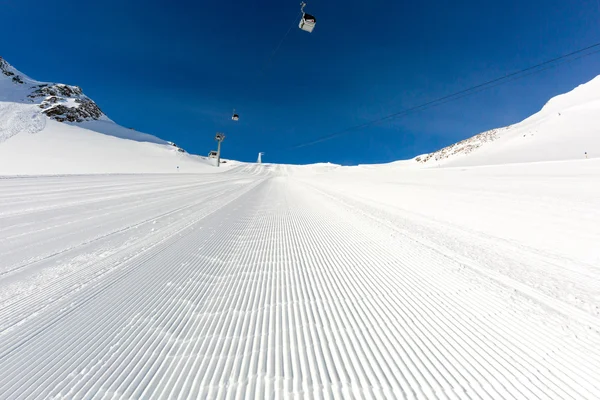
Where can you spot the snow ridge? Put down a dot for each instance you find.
(73, 135)
(464, 146)
(60, 102)
(10, 72)
(566, 128)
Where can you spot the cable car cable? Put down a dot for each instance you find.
(235, 116)
(514, 78)
(462, 93)
(274, 52)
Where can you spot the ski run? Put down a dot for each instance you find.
(131, 269)
(266, 281)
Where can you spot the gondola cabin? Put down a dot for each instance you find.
(307, 23)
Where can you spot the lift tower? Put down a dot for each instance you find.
(219, 137)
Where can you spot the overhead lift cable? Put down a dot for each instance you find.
(276, 49)
(235, 116)
(589, 50)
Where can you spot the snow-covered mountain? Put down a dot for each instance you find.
(57, 101)
(566, 128)
(51, 128)
(54, 128)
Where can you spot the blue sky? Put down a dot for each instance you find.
(176, 69)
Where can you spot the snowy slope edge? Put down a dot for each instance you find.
(566, 128)
(60, 102)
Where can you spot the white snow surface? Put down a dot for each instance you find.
(32, 143)
(566, 128)
(270, 281)
(123, 276)
(65, 149)
(16, 118)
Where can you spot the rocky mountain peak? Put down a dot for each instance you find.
(63, 103)
(7, 70)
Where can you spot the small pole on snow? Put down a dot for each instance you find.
(219, 137)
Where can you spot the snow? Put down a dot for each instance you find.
(123, 276)
(64, 149)
(566, 128)
(33, 144)
(262, 282)
(108, 127)
(16, 118)
(535, 217)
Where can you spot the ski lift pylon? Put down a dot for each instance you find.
(308, 22)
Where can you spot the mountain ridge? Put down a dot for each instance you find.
(63, 103)
(566, 127)
(54, 128)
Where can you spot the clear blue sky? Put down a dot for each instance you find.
(176, 69)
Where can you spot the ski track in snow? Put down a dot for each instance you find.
(249, 284)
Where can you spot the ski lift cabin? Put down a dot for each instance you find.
(235, 117)
(212, 154)
(308, 22)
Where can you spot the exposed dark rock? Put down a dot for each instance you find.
(464, 146)
(62, 114)
(4, 68)
(86, 110)
(56, 90)
(58, 101)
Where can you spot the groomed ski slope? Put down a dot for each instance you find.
(278, 282)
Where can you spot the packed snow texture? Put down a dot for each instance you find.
(274, 281)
